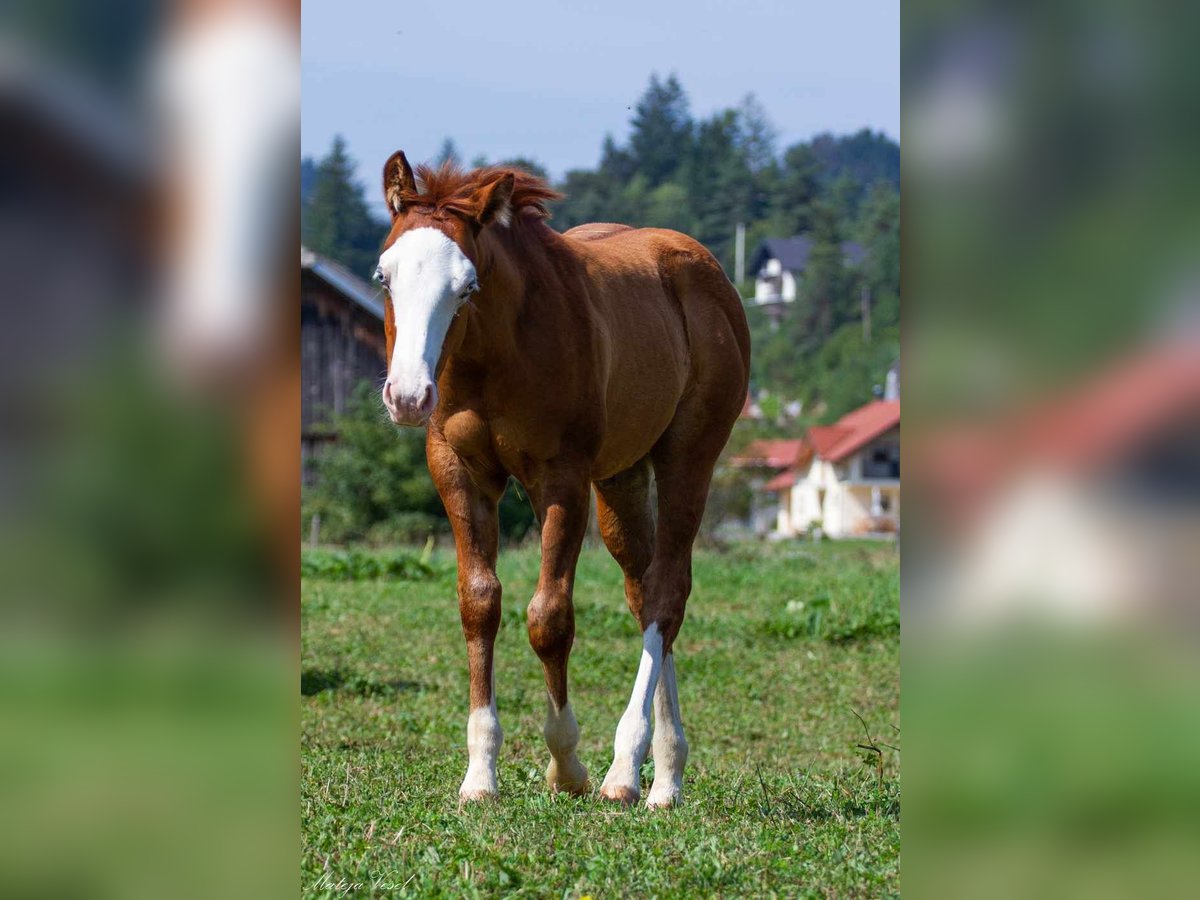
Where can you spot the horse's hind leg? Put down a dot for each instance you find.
(683, 464)
(626, 521)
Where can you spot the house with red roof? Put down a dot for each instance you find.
(843, 479)
(763, 460)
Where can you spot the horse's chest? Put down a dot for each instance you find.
(510, 442)
(468, 433)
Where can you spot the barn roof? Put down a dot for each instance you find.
(343, 280)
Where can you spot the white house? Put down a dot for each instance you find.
(1079, 508)
(779, 263)
(762, 459)
(846, 479)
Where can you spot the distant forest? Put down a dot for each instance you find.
(703, 177)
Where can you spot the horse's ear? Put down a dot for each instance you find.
(493, 202)
(397, 180)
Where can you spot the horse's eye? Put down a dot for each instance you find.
(468, 290)
(379, 274)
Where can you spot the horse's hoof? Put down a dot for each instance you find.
(579, 789)
(481, 795)
(663, 799)
(573, 781)
(619, 793)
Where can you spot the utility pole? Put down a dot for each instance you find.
(866, 312)
(739, 255)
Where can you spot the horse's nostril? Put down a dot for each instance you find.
(387, 394)
(427, 398)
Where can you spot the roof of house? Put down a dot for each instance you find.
(1135, 404)
(854, 430)
(835, 443)
(793, 252)
(343, 280)
(773, 454)
(782, 481)
(1118, 411)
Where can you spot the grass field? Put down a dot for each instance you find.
(781, 648)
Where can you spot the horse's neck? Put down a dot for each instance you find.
(493, 313)
(518, 312)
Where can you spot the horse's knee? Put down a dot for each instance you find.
(479, 603)
(551, 622)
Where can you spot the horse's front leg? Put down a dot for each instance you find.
(473, 516)
(562, 506)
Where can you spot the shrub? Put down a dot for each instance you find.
(358, 565)
(373, 484)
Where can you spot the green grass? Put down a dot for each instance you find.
(780, 649)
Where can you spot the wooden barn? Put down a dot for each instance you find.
(342, 345)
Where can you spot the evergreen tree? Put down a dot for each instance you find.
(308, 177)
(531, 166)
(448, 153)
(587, 199)
(846, 194)
(826, 285)
(668, 207)
(662, 130)
(798, 187)
(336, 221)
(865, 156)
(757, 134)
(879, 234)
(616, 164)
(719, 183)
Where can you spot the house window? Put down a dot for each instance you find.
(882, 461)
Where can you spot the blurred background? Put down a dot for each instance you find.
(771, 139)
(148, 345)
(1052, 363)
(152, 386)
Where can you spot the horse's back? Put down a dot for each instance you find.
(709, 306)
(594, 231)
(676, 325)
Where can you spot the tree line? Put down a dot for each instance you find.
(703, 176)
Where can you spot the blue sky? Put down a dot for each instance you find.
(549, 79)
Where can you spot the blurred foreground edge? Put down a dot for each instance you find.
(149, 475)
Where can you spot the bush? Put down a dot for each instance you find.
(357, 565)
(373, 484)
(404, 528)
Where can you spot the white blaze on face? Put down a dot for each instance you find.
(429, 278)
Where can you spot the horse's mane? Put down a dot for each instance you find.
(449, 187)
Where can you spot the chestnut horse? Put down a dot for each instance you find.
(599, 358)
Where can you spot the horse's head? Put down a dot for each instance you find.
(429, 271)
